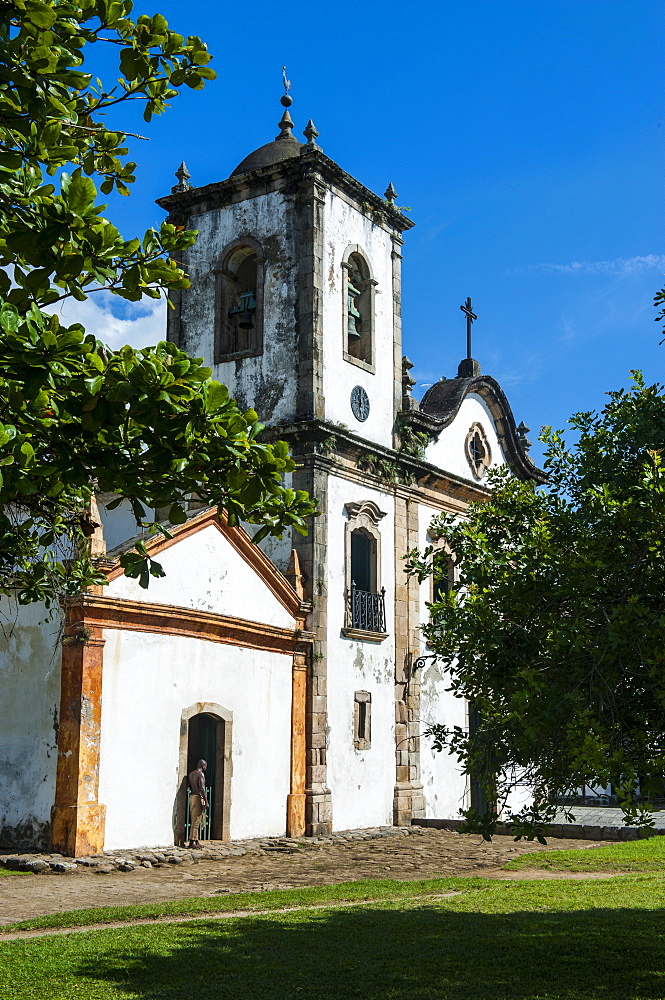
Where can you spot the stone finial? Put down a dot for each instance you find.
(390, 193)
(522, 432)
(294, 576)
(183, 175)
(408, 382)
(310, 134)
(286, 126)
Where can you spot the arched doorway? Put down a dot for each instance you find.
(202, 744)
(205, 733)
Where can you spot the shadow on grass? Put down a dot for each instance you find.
(384, 954)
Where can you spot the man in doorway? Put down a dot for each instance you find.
(198, 803)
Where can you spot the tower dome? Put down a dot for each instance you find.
(283, 146)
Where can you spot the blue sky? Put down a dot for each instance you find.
(525, 135)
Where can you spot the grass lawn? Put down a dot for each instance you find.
(496, 940)
(369, 890)
(632, 856)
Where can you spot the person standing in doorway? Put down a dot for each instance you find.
(198, 803)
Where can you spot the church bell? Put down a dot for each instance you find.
(244, 309)
(354, 316)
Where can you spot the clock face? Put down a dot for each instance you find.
(359, 403)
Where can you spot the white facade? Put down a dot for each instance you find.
(165, 674)
(361, 781)
(148, 681)
(445, 787)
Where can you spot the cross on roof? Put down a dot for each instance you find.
(470, 316)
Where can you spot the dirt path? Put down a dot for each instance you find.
(427, 854)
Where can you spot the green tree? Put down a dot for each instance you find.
(147, 425)
(555, 632)
(659, 303)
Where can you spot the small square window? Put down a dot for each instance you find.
(362, 720)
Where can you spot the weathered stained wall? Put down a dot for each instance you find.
(29, 700)
(362, 781)
(205, 572)
(269, 382)
(344, 225)
(444, 785)
(447, 451)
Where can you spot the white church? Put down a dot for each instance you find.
(291, 666)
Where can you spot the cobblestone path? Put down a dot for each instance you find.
(424, 853)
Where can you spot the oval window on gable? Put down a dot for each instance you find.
(477, 451)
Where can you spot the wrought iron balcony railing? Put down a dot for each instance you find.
(368, 611)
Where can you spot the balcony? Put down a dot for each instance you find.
(366, 615)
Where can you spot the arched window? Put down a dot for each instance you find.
(442, 584)
(365, 595)
(443, 581)
(358, 308)
(239, 302)
(363, 560)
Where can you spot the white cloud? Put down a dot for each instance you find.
(621, 265)
(115, 321)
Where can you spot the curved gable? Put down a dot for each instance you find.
(453, 406)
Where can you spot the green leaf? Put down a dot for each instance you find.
(42, 15)
(9, 318)
(177, 515)
(81, 193)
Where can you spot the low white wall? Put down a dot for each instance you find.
(148, 680)
(362, 781)
(29, 705)
(445, 787)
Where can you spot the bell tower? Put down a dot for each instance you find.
(295, 294)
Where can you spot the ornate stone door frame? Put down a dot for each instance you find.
(221, 820)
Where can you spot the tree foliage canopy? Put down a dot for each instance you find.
(148, 425)
(555, 630)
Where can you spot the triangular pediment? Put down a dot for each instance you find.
(213, 568)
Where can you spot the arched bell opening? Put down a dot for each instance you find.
(358, 325)
(239, 301)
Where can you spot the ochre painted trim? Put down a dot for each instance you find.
(77, 818)
(165, 619)
(241, 541)
(295, 802)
